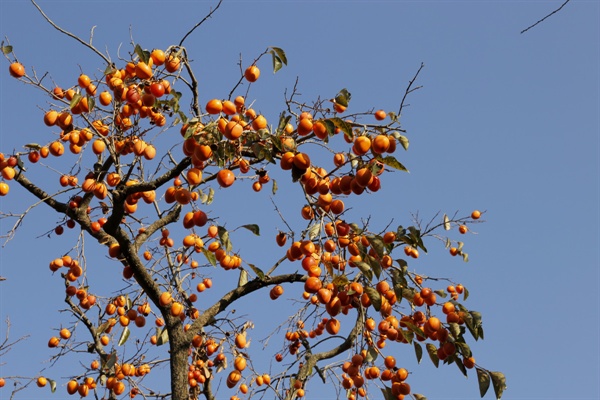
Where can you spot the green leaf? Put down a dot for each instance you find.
(314, 231)
(375, 297)
(484, 381)
(454, 329)
(419, 396)
(403, 141)
(52, 383)
(224, 237)
(408, 335)
(162, 336)
(277, 64)
(459, 364)
(7, 49)
(432, 350)
(343, 97)
(210, 257)
(111, 361)
(257, 271)
(376, 243)
(340, 281)
(32, 146)
(124, 336)
(442, 293)
(144, 55)
(280, 54)
(343, 125)
(391, 161)
(499, 383)
(243, 279)
(465, 294)
(387, 393)
(463, 348)
(91, 103)
(210, 197)
(252, 228)
(418, 351)
(365, 269)
(274, 190)
(372, 355)
(446, 222)
(75, 100)
(398, 282)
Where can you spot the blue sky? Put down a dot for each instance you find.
(505, 122)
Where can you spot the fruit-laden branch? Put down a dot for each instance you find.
(312, 359)
(121, 193)
(208, 316)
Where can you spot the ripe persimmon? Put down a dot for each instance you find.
(380, 115)
(17, 70)
(225, 178)
(476, 214)
(214, 106)
(252, 73)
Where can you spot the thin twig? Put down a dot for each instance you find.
(409, 90)
(88, 45)
(546, 17)
(201, 22)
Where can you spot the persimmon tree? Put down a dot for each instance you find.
(142, 159)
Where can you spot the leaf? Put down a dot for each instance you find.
(343, 97)
(280, 54)
(32, 146)
(314, 231)
(210, 257)
(398, 282)
(243, 279)
(343, 125)
(432, 350)
(7, 49)
(463, 348)
(224, 237)
(162, 336)
(274, 190)
(252, 228)
(91, 103)
(499, 383)
(442, 293)
(460, 365)
(144, 55)
(372, 355)
(103, 327)
(407, 335)
(484, 381)
(52, 383)
(124, 336)
(387, 393)
(75, 100)
(277, 62)
(465, 294)
(391, 161)
(446, 223)
(419, 396)
(210, 197)
(365, 269)
(454, 329)
(257, 271)
(112, 360)
(375, 297)
(465, 257)
(376, 243)
(418, 351)
(340, 281)
(403, 141)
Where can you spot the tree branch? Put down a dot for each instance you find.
(201, 22)
(546, 17)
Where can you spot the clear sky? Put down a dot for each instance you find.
(505, 122)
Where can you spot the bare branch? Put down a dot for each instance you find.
(77, 38)
(201, 22)
(546, 17)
